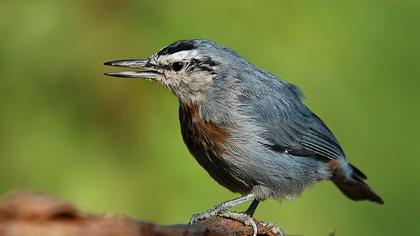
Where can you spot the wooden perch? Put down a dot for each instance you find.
(34, 214)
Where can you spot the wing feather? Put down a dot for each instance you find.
(289, 125)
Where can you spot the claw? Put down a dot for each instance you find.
(203, 215)
(199, 216)
(194, 218)
(274, 228)
(242, 217)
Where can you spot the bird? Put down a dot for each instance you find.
(250, 130)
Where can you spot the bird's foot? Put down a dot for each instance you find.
(204, 215)
(273, 228)
(219, 208)
(241, 217)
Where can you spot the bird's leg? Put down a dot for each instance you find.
(251, 209)
(222, 207)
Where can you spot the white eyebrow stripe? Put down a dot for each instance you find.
(178, 56)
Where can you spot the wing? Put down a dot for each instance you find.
(289, 125)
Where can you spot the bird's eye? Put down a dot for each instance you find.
(177, 66)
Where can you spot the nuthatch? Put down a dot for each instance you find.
(248, 129)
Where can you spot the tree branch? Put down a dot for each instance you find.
(34, 214)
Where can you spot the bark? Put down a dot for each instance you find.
(35, 214)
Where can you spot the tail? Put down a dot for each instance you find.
(354, 186)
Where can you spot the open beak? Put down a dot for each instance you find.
(146, 69)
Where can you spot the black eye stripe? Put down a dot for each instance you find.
(205, 64)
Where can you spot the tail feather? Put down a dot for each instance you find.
(358, 172)
(355, 188)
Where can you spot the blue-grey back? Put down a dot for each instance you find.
(276, 106)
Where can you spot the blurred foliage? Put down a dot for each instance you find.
(113, 145)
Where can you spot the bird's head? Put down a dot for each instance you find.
(188, 68)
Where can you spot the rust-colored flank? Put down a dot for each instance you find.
(204, 133)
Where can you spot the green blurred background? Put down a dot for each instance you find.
(114, 146)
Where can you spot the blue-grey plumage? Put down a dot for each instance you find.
(249, 129)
